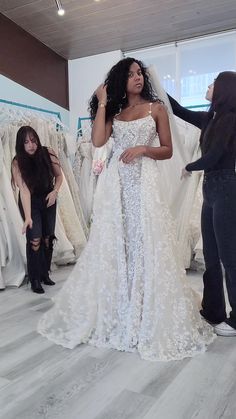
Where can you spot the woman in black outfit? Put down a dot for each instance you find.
(218, 220)
(37, 173)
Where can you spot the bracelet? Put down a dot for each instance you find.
(55, 190)
(101, 105)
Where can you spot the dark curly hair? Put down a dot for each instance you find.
(221, 121)
(116, 82)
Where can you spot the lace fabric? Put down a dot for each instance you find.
(12, 243)
(128, 289)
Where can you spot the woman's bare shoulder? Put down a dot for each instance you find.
(14, 163)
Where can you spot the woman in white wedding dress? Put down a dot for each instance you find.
(128, 290)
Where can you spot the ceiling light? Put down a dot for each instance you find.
(60, 9)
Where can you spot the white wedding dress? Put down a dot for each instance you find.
(12, 243)
(128, 289)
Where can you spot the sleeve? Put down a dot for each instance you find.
(207, 161)
(196, 118)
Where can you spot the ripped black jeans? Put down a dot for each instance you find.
(218, 223)
(39, 238)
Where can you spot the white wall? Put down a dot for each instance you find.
(85, 74)
(11, 91)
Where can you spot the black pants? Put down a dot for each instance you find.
(219, 244)
(44, 219)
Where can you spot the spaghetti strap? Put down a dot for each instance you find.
(150, 108)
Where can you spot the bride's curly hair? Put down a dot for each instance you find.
(116, 82)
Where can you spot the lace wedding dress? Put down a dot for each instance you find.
(128, 289)
(12, 243)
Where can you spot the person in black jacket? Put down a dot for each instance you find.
(37, 173)
(218, 219)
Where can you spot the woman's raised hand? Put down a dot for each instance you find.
(101, 94)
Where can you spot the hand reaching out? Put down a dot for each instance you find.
(185, 174)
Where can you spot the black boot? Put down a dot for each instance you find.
(47, 280)
(33, 266)
(37, 287)
(47, 262)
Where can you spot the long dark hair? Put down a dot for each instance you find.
(36, 170)
(116, 82)
(221, 118)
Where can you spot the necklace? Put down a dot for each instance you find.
(136, 104)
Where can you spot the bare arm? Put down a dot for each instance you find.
(101, 130)
(51, 197)
(56, 167)
(25, 195)
(163, 128)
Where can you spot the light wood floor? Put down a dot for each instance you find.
(41, 380)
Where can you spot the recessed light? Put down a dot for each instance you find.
(61, 12)
(60, 9)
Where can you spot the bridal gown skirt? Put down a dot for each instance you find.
(128, 290)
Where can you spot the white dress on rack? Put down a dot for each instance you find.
(69, 209)
(73, 186)
(128, 290)
(13, 263)
(3, 241)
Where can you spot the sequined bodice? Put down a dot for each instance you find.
(140, 131)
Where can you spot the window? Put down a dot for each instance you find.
(185, 69)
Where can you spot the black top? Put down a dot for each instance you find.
(218, 157)
(40, 173)
(44, 175)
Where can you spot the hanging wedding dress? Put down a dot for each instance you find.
(65, 251)
(69, 209)
(13, 243)
(70, 226)
(128, 289)
(73, 186)
(4, 232)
